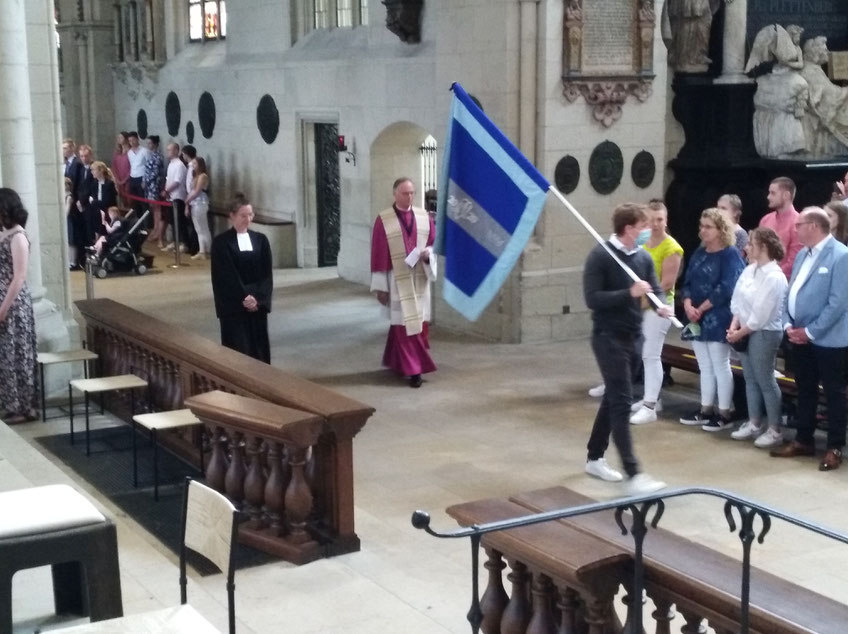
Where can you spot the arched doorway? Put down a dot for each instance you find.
(402, 149)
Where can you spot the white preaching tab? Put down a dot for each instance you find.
(244, 241)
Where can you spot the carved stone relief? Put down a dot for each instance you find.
(608, 54)
(403, 18)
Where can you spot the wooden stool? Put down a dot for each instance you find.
(98, 386)
(55, 525)
(65, 356)
(174, 419)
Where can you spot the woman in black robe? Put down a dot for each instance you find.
(242, 283)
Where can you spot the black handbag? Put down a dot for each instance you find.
(741, 345)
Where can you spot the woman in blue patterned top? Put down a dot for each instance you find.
(153, 179)
(707, 290)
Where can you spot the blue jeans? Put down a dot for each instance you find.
(760, 383)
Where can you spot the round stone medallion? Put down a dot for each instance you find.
(567, 174)
(606, 166)
(643, 169)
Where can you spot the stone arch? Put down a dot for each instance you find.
(395, 152)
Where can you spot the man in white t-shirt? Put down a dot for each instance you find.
(137, 156)
(175, 191)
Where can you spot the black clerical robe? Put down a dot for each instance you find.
(235, 275)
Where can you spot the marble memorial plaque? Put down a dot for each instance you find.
(837, 68)
(609, 37)
(817, 17)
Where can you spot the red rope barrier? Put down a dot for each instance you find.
(161, 203)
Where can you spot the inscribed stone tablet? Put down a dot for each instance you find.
(609, 34)
(837, 67)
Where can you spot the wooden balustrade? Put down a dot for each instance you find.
(255, 469)
(258, 459)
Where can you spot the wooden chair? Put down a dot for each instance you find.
(210, 527)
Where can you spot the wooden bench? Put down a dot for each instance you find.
(701, 582)
(558, 559)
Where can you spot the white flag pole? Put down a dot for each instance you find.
(656, 301)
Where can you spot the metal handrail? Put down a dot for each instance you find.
(639, 507)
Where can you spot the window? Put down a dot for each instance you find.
(363, 12)
(429, 167)
(321, 14)
(344, 12)
(207, 20)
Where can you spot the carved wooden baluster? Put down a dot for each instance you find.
(494, 599)
(254, 483)
(216, 470)
(568, 605)
(168, 396)
(275, 491)
(516, 616)
(298, 496)
(234, 481)
(693, 623)
(542, 621)
(177, 378)
(597, 615)
(663, 615)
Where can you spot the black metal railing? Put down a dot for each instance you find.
(639, 508)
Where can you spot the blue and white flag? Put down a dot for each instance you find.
(490, 197)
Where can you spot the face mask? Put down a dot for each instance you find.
(643, 237)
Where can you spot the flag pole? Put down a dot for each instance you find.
(630, 272)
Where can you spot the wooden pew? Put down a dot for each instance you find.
(552, 565)
(701, 582)
(178, 364)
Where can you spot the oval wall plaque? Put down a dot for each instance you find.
(206, 115)
(643, 169)
(567, 174)
(267, 119)
(190, 132)
(173, 113)
(141, 124)
(606, 166)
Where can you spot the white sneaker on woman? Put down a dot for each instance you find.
(598, 391)
(770, 438)
(747, 431)
(600, 469)
(638, 404)
(643, 415)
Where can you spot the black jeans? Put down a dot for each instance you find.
(616, 355)
(814, 364)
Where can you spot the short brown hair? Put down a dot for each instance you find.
(627, 214)
(770, 241)
(239, 200)
(656, 204)
(400, 181)
(786, 184)
(722, 223)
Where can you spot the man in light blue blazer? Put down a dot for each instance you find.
(815, 320)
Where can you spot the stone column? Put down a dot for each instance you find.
(527, 79)
(733, 49)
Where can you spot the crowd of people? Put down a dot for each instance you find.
(791, 296)
(171, 187)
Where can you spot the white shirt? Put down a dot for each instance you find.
(758, 297)
(804, 272)
(137, 157)
(618, 244)
(176, 174)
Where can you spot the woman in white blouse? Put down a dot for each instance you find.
(757, 308)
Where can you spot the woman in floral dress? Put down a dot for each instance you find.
(154, 170)
(18, 388)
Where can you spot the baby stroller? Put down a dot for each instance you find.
(122, 252)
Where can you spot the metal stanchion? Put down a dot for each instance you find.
(177, 264)
(89, 279)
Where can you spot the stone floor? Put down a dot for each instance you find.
(494, 420)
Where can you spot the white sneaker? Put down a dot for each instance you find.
(638, 404)
(747, 431)
(643, 415)
(598, 391)
(600, 469)
(770, 438)
(643, 484)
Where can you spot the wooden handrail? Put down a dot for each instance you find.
(179, 364)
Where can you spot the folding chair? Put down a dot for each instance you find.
(210, 527)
